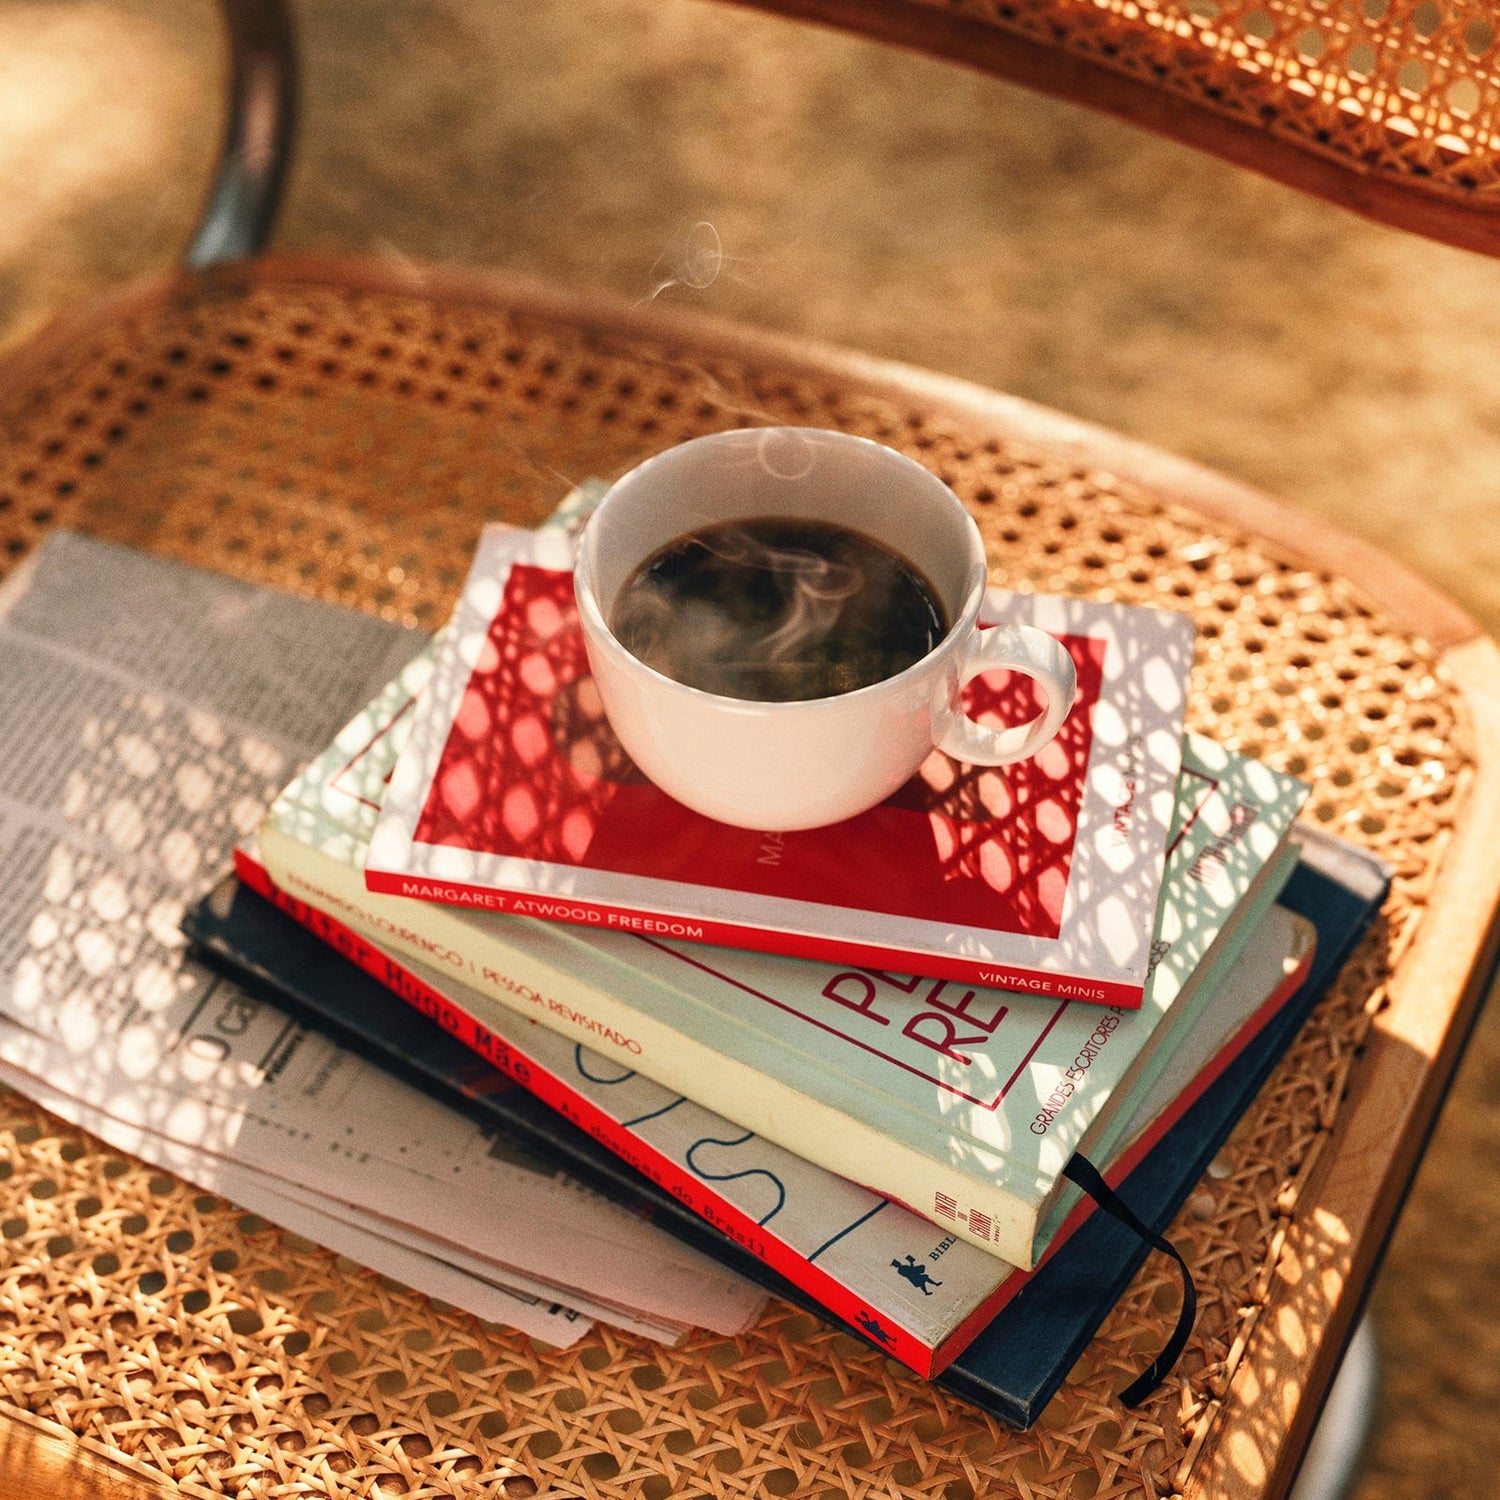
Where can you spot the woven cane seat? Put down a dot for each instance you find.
(324, 429)
(1388, 107)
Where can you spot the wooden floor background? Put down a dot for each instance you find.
(723, 160)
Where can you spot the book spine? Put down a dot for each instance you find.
(728, 1218)
(650, 922)
(973, 1206)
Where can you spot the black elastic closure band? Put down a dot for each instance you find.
(1087, 1176)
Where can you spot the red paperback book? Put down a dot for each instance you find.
(513, 795)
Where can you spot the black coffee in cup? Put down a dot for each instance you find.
(778, 608)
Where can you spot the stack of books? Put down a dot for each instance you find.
(858, 1063)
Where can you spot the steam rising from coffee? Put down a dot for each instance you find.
(778, 609)
(695, 261)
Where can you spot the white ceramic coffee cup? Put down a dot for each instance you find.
(781, 766)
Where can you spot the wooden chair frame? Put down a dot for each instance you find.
(1358, 1177)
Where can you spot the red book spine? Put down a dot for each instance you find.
(758, 939)
(554, 1091)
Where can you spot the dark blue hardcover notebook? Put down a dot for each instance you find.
(1015, 1365)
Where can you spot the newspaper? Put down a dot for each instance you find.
(148, 714)
(538, 1315)
(508, 1296)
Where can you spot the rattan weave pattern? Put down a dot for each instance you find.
(348, 444)
(1405, 88)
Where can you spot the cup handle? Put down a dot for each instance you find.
(1017, 648)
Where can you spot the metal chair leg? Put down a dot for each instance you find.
(258, 136)
(1338, 1442)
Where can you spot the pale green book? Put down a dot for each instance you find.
(962, 1103)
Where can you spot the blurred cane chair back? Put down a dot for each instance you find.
(342, 429)
(1386, 107)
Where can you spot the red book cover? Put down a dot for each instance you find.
(512, 794)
